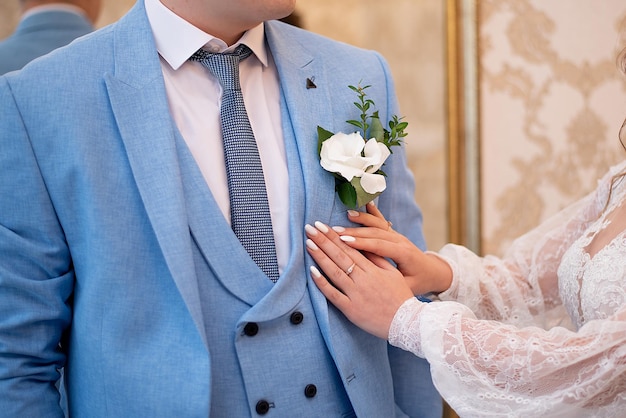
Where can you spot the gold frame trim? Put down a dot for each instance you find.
(463, 159)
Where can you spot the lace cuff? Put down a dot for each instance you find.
(404, 331)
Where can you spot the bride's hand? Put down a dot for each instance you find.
(367, 291)
(424, 273)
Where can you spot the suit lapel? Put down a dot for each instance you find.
(140, 107)
(302, 111)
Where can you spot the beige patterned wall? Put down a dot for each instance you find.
(552, 101)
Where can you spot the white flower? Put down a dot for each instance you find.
(376, 153)
(341, 153)
(350, 156)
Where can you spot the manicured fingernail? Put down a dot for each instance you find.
(353, 213)
(311, 245)
(315, 272)
(339, 229)
(310, 229)
(347, 238)
(371, 203)
(321, 227)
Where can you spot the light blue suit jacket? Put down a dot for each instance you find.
(38, 34)
(117, 264)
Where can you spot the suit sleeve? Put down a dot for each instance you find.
(414, 391)
(36, 278)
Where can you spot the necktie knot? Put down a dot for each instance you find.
(225, 67)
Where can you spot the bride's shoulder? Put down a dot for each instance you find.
(614, 171)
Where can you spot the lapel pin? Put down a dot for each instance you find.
(310, 84)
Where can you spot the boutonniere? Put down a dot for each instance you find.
(356, 162)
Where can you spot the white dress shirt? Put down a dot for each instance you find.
(194, 96)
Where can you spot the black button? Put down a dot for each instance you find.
(262, 407)
(310, 391)
(251, 329)
(296, 318)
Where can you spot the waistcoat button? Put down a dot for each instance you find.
(296, 318)
(262, 407)
(310, 391)
(251, 329)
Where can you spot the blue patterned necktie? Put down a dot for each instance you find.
(249, 207)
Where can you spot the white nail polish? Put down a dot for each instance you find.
(347, 238)
(310, 229)
(353, 212)
(339, 229)
(321, 227)
(310, 244)
(315, 272)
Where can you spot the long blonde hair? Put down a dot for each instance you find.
(621, 64)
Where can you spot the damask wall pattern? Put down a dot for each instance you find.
(551, 103)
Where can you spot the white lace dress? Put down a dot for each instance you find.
(540, 332)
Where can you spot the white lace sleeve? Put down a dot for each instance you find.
(404, 331)
(497, 354)
(521, 288)
(484, 366)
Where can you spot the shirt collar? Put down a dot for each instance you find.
(177, 40)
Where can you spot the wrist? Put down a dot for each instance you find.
(439, 272)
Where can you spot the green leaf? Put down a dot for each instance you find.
(347, 194)
(322, 135)
(402, 126)
(362, 197)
